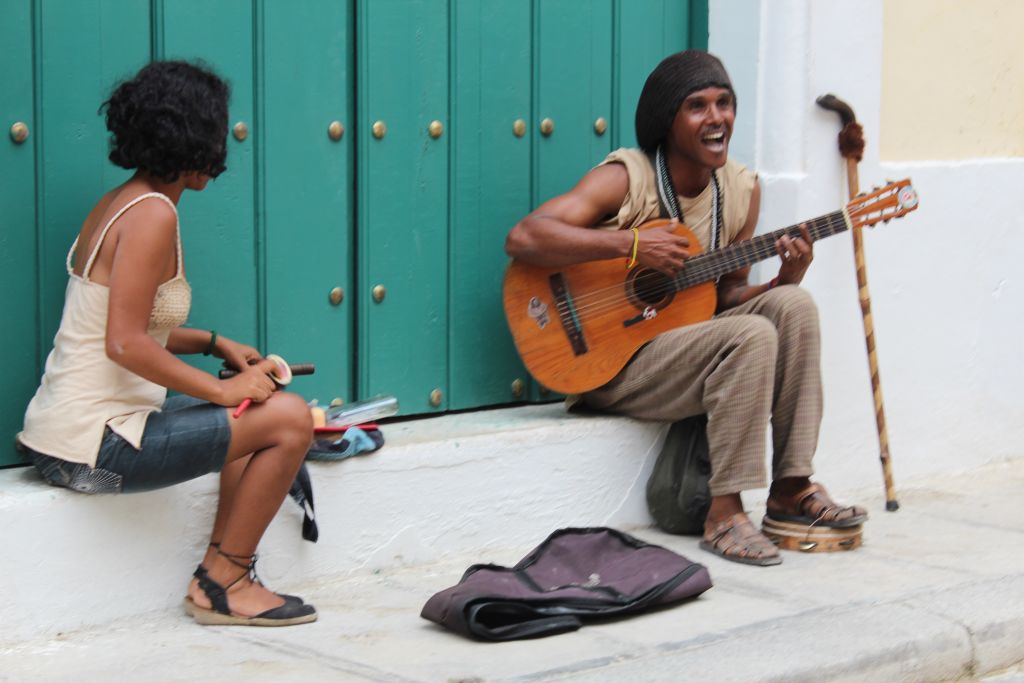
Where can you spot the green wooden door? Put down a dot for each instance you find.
(19, 271)
(218, 225)
(571, 47)
(286, 250)
(490, 191)
(646, 32)
(305, 182)
(401, 90)
(265, 244)
(538, 63)
(68, 140)
(269, 241)
(75, 74)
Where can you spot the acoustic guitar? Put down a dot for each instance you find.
(576, 327)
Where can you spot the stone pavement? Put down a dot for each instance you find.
(935, 594)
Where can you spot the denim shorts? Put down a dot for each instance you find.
(186, 439)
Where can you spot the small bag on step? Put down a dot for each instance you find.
(678, 493)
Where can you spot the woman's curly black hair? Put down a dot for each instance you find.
(171, 118)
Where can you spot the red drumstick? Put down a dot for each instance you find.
(241, 408)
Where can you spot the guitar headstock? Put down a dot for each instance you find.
(883, 204)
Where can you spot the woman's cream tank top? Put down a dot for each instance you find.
(83, 391)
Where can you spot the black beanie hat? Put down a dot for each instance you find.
(668, 85)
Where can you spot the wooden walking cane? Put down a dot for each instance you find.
(851, 147)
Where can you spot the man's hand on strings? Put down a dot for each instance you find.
(661, 250)
(796, 254)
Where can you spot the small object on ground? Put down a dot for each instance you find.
(355, 413)
(338, 443)
(678, 490)
(811, 539)
(815, 507)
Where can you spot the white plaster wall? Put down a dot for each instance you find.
(945, 296)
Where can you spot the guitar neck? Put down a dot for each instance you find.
(712, 265)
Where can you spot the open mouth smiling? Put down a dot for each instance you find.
(714, 139)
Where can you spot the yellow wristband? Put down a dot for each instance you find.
(636, 243)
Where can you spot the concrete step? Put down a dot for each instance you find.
(933, 595)
(443, 487)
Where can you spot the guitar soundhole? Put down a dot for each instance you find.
(649, 288)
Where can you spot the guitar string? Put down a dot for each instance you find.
(656, 293)
(706, 264)
(699, 269)
(702, 268)
(705, 268)
(702, 273)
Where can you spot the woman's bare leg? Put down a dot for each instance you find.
(230, 474)
(268, 444)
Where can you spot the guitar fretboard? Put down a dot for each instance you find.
(712, 265)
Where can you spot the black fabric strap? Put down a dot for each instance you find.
(214, 591)
(302, 493)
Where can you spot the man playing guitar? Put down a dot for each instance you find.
(758, 359)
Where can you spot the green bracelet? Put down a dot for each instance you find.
(212, 345)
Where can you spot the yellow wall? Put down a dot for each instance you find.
(952, 79)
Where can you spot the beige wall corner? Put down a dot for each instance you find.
(952, 80)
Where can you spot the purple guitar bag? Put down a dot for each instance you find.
(574, 575)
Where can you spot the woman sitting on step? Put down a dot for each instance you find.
(101, 421)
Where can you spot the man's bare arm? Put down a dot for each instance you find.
(559, 232)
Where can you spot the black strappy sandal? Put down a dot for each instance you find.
(220, 614)
(252, 575)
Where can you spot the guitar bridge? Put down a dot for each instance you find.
(567, 314)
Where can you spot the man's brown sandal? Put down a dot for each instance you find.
(814, 507)
(220, 614)
(738, 540)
